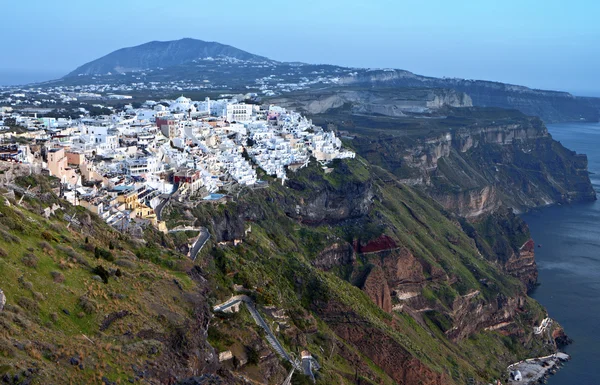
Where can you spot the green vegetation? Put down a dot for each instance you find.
(141, 300)
(276, 263)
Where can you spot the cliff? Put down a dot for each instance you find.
(482, 162)
(551, 106)
(371, 101)
(354, 256)
(333, 260)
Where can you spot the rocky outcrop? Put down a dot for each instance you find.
(381, 243)
(376, 287)
(469, 203)
(522, 264)
(385, 352)
(472, 312)
(395, 103)
(331, 205)
(552, 106)
(475, 169)
(503, 238)
(560, 338)
(338, 254)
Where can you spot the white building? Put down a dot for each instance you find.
(239, 112)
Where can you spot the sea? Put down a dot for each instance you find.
(21, 77)
(569, 262)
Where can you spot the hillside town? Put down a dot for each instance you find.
(124, 165)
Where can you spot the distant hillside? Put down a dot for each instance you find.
(551, 106)
(186, 61)
(162, 54)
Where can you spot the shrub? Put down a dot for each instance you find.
(29, 260)
(253, 355)
(87, 247)
(87, 305)
(104, 254)
(8, 237)
(28, 304)
(125, 263)
(102, 273)
(6, 349)
(45, 246)
(74, 255)
(57, 277)
(48, 236)
(25, 284)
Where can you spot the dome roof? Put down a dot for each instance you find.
(182, 99)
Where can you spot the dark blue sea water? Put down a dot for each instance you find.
(569, 263)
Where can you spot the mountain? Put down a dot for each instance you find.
(161, 54)
(210, 65)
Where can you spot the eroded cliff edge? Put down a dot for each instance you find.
(481, 164)
(351, 255)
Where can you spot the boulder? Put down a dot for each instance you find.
(2, 300)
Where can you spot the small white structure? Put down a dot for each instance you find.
(516, 375)
(2, 300)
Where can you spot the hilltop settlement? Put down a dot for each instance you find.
(124, 165)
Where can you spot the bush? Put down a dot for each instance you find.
(29, 260)
(104, 254)
(57, 277)
(28, 304)
(125, 263)
(6, 349)
(48, 236)
(88, 305)
(252, 355)
(45, 246)
(25, 284)
(74, 255)
(8, 237)
(102, 273)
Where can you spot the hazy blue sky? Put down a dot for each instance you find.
(552, 44)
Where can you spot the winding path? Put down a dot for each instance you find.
(258, 319)
(200, 242)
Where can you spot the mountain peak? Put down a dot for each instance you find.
(162, 54)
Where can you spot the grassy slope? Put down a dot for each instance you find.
(55, 278)
(277, 256)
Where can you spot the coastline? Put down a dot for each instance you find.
(535, 370)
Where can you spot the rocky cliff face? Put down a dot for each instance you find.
(398, 281)
(503, 238)
(377, 289)
(379, 102)
(384, 351)
(474, 170)
(385, 264)
(551, 106)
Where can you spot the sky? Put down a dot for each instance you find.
(547, 44)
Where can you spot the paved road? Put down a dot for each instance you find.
(200, 242)
(258, 319)
(161, 205)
